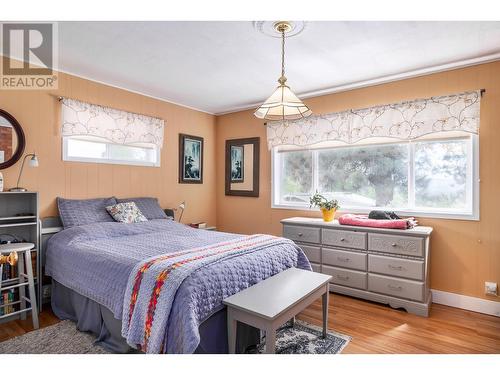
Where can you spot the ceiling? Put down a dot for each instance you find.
(219, 67)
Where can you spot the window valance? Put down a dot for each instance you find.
(404, 121)
(113, 125)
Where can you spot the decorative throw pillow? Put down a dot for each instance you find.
(126, 213)
(149, 207)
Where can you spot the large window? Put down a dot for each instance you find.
(86, 149)
(436, 178)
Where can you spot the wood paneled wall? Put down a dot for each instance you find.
(39, 115)
(464, 253)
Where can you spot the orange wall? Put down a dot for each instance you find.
(464, 253)
(37, 112)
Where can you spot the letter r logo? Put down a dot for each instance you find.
(32, 43)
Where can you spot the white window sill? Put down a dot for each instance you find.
(415, 213)
(111, 161)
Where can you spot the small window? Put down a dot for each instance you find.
(431, 178)
(87, 149)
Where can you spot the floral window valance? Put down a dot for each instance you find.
(404, 121)
(113, 125)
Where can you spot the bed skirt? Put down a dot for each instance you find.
(90, 316)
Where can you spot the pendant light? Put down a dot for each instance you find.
(283, 104)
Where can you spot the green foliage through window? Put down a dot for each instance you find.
(417, 176)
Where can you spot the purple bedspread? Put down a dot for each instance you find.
(96, 260)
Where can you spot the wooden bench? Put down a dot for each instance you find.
(274, 301)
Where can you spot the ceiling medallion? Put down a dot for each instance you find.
(269, 28)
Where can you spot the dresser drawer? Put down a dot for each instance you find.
(316, 267)
(353, 279)
(312, 253)
(388, 243)
(303, 234)
(411, 269)
(407, 289)
(344, 238)
(342, 258)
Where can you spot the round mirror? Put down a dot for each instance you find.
(11, 140)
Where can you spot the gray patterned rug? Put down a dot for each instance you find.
(305, 338)
(64, 338)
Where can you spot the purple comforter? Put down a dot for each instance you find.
(96, 260)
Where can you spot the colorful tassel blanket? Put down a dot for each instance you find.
(153, 283)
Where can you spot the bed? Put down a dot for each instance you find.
(93, 267)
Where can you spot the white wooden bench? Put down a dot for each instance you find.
(274, 301)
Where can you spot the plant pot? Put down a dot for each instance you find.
(328, 215)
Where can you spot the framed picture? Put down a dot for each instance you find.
(190, 159)
(241, 170)
(237, 163)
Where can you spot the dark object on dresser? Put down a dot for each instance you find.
(383, 215)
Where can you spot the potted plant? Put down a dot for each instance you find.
(327, 207)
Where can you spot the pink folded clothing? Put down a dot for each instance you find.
(363, 221)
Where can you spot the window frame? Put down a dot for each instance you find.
(473, 166)
(66, 157)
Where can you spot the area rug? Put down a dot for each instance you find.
(305, 338)
(64, 338)
(60, 338)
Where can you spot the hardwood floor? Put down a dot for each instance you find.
(375, 328)
(18, 327)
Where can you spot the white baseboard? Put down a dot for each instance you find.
(480, 305)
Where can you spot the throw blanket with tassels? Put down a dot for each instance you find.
(153, 284)
(364, 221)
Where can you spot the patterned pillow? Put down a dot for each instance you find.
(74, 212)
(127, 212)
(148, 206)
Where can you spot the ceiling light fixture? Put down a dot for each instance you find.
(283, 104)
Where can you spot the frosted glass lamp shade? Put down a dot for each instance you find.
(283, 104)
(33, 161)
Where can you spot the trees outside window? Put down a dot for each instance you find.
(427, 176)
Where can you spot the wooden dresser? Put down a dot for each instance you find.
(383, 265)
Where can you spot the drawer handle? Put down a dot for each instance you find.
(300, 234)
(397, 268)
(394, 244)
(392, 287)
(343, 259)
(342, 239)
(345, 278)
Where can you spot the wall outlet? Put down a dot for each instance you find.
(490, 288)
